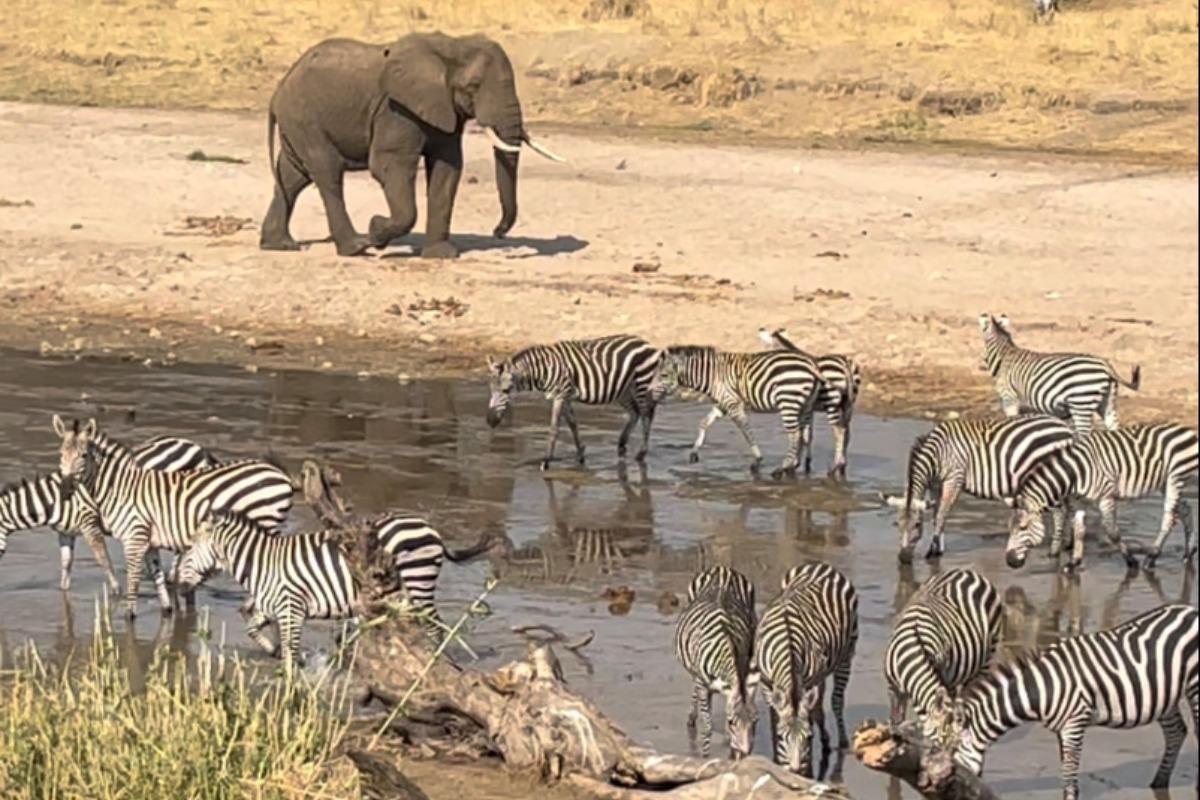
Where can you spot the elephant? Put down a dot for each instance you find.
(348, 105)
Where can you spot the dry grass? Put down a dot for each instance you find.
(209, 731)
(1105, 75)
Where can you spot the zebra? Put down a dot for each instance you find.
(782, 381)
(1126, 676)
(945, 636)
(289, 578)
(840, 381)
(146, 509)
(612, 369)
(982, 456)
(40, 502)
(417, 551)
(714, 642)
(806, 634)
(1131, 462)
(1065, 385)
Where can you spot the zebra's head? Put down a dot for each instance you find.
(1027, 531)
(203, 558)
(997, 338)
(667, 375)
(910, 521)
(502, 380)
(742, 718)
(73, 451)
(794, 727)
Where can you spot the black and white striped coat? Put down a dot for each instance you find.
(714, 640)
(984, 457)
(289, 578)
(1070, 386)
(944, 637)
(1136, 673)
(782, 381)
(840, 381)
(146, 509)
(1107, 466)
(612, 369)
(805, 635)
(41, 502)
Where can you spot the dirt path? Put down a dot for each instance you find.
(888, 256)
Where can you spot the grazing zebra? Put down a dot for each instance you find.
(417, 551)
(984, 457)
(806, 634)
(1131, 462)
(840, 380)
(40, 502)
(289, 578)
(1122, 677)
(714, 639)
(612, 369)
(146, 509)
(780, 380)
(1065, 385)
(945, 636)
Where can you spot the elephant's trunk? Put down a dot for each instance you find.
(506, 186)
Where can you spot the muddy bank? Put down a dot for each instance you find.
(889, 257)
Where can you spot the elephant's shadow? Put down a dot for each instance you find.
(410, 246)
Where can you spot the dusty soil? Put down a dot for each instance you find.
(1105, 77)
(887, 256)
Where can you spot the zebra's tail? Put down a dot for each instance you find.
(485, 543)
(777, 338)
(1135, 378)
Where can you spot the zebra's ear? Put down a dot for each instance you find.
(766, 337)
(1003, 322)
(985, 322)
(492, 365)
(89, 430)
(811, 698)
(1011, 502)
(60, 427)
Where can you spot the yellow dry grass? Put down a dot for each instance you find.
(1116, 76)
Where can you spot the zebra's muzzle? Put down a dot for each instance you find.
(494, 417)
(1014, 559)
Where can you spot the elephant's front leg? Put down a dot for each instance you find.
(396, 172)
(443, 167)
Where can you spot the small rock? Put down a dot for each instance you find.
(251, 342)
(45, 348)
(362, 374)
(77, 343)
(404, 377)
(427, 338)
(319, 341)
(251, 368)
(952, 415)
(326, 365)
(929, 414)
(76, 226)
(154, 333)
(621, 165)
(217, 329)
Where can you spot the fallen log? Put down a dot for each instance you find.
(523, 710)
(903, 752)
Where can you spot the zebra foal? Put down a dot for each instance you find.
(782, 381)
(612, 369)
(149, 509)
(1130, 675)
(840, 380)
(714, 641)
(1070, 386)
(806, 634)
(944, 637)
(1131, 462)
(984, 457)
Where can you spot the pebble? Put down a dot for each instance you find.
(77, 343)
(326, 365)
(251, 368)
(404, 377)
(319, 341)
(154, 333)
(427, 338)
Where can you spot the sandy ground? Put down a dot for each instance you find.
(890, 257)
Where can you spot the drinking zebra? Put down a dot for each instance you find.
(1065, 385)
(1132, 462)
(806, 634)
(40, 502)
(984, 457)
(146, 509)
(945, 636)
(289, 578)
(840, 380)
(782, 381)
(612, 369)
(713, 640)
(1123, 677)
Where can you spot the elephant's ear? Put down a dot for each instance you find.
(415, 77)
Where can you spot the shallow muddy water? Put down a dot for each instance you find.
(425, 448)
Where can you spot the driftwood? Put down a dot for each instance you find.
(901, 751)
(523, 711)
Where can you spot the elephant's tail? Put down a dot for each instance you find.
(271, 147)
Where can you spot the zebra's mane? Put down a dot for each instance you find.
(690, 350)
(21, 483)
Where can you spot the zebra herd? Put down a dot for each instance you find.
(940, 661)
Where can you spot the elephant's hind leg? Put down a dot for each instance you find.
(275, 228)
(327, 170)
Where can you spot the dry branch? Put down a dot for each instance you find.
(901, 751)
(524, 711)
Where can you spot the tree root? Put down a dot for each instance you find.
(901, 751)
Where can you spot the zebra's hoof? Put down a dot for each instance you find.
(580, 458)
(640, 457)
(905, 556)
(1072, 567)
(621, 451)
(933, 554)
(693, 457)
(545, 464)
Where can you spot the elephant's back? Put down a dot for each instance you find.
(333, 86)
(333, 58)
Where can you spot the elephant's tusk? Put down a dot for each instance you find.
(543, 152)
(499, 143)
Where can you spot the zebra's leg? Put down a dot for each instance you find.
(573, 426)
(816, 718)
(159, 576)
(136, 547)
(701, 712)
(556, 410)
(937, 545)
(254, 629)
(1184, 512)
(1058, 522)
(897, 703)
(631, 420)
(1070, 751)
(841, 441)
(1174, 732)
(1171, 505)
(1108, 515)
(647, 418)
(714, 414)
(100, 553)
(289, 625)
(738, 415)
(1079, 529)
(795, 426)
(841, 678)
(807, 445)
(66, 553)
